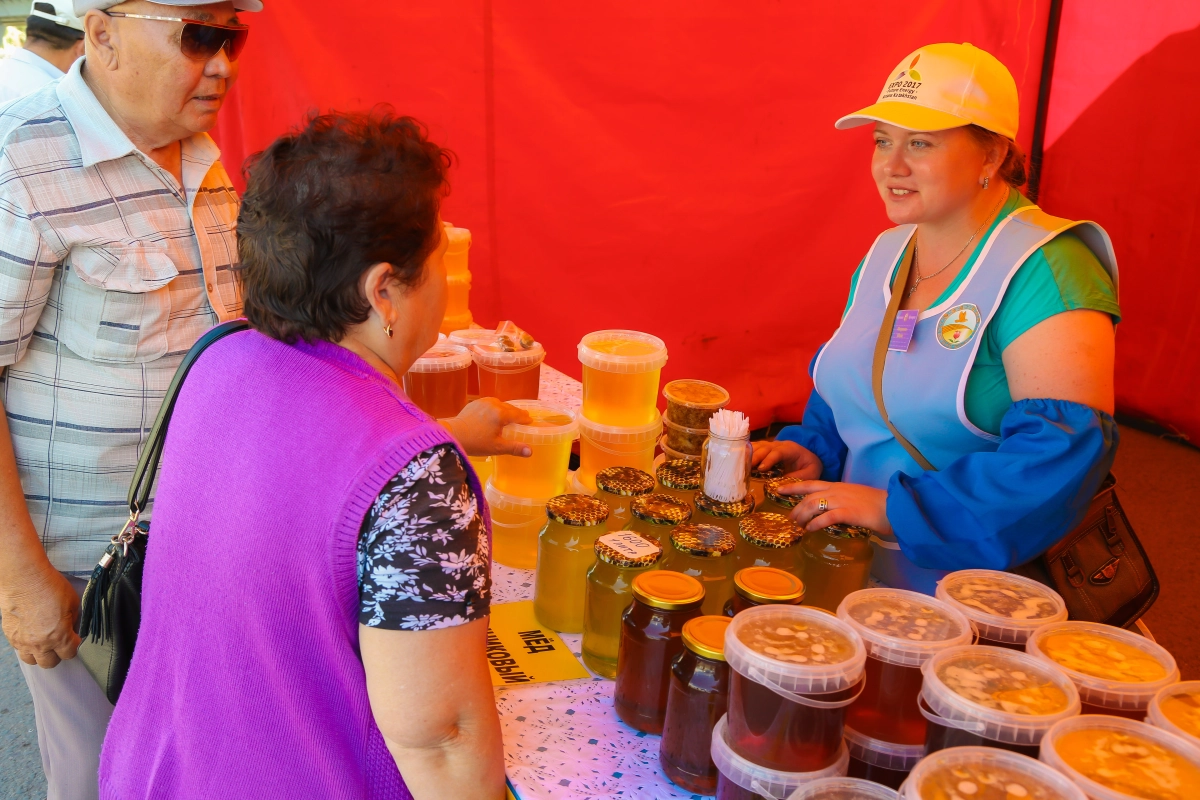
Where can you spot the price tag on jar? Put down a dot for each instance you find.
(628, 543)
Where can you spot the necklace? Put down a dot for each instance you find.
(917, 268)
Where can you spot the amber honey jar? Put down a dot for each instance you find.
(723, 515)
(656, 515)
(680, 478)
(620, 557)
(697, 697)
(837, 561)
(758, 482)
(618, 486)
(706, 553)
(769, 540)
(565, 554)
(763, 586)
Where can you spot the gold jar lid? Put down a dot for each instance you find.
(705, 636)
(627, 549)
(706, 541)
(771, 490)
(577, 510)
(670, 591)
(624, 481)
(767, 585)
(660, 509)
(715, 508)
(849, 531)
(773, 531)
(767, 474)
(681, 474)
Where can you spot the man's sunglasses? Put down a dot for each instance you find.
(202, 40)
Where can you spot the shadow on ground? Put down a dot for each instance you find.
(20, 763)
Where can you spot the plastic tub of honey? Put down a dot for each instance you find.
(468, 338)
(513, 375)
(795, 670)
(1113, 758)
(670, 454)
(691, 403)
(549, 434)
(688, 441)
(706, 553)
(902, 630)
(993, 697)
(458, 295)
(437, 381)
(1116, 672)
(1005, 608)
(456, 322)
(882, 762)
(849, 788)
(575, 486)
(457, 248)
(1176, 708)
(984, 773)
(741, 778)
(604, 446)
(516, 523)
(621, 371)
(769, 540)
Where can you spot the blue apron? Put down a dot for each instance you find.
(924, 387)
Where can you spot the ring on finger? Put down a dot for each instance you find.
(822, 506)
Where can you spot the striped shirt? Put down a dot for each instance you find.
(109, 272)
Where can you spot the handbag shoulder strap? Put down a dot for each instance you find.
(881, 348)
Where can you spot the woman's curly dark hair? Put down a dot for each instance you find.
(326, 202)
(1012, 171)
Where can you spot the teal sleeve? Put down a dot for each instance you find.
(853, 285)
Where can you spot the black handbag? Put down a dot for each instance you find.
(112, 602)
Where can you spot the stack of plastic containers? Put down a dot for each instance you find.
(468, 338)
(690, 404)
(620, 424)
(983, 773)
(507, 375)
(1176, 708)
(437, 381)
(458, 281)
(1004, 608)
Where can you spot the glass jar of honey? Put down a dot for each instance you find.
(697, 697)
(837, 561)
(656, 515)
(516, 523)
(620, 557)
(763, 586)
(437, 381)
(621, 371)
(604, 446)
(509, 374)
(549, 434)
(680, 478)
(723, 515)
(651, 639)
(619, 487)
(777, 503)
(769, 540)
(1005, 608)
(566, 551)
(468, 338)
(706, 553)
(758, 484)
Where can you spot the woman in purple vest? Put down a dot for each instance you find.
(317, 584)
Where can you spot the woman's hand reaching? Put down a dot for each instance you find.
(480, 425)
(794, 460)
(844, 503)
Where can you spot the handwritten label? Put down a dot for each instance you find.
(522, 650)
(630, 545)
(903, 330)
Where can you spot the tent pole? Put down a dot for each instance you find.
(1037, 149)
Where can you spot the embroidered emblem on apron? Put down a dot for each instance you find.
(958, 326)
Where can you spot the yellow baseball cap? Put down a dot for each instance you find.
(944, 86)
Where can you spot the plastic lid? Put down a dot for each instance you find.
(999, 694)
(1114, 758)
(442, 358)
(577, 510)
(674, 455)
(638, 434)
(627, 549)
(715, 508)
(622, 351)
(492, 355)
(463, 278)
(878, 753)
(844, 789)
(660, 509)
(513, 504)
(1176, 708)
(1112, 667)
(772, 531)
(683, 428)
(670, 591)
(768, 475)
(705, 636)
(828, 654)
(706, 541)
(550, 424)
(624, 481)
(766, 585)
(681, 474)
(763, 781)
(472, 336)
(771, 490)
(460, 239)
(696, 394)
(902, 627)
(1003, 606)
(986, 773)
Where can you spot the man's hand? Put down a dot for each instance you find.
(794, 460)
(39, 619)
(479, 428)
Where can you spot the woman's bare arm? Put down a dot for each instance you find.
(1068, 356)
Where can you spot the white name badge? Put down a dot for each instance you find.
(630, 545)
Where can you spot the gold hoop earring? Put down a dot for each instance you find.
(388, 330)
(985, 182)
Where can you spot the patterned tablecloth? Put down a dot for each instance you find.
(559, 389)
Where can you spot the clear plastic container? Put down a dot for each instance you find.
(686, 441)
(882, 762)
(1114, 758)
(984, 773)
(674, 455)
(837, 561)
(902, 630)
(484, 466)
(850, 788)
(769, 540)
(656, 515)
(618, 487)
(604, 446)
(620, 557)
(468, 338)
(549, 435)
(758, 483)
(1005, 608)
(509, 376)
(575, 486)
(725, 515)
(763, 586)
(706, 553)
(516, 523)
(777, 503)
(796, 669)
(458, 295)
(651, 639)
(456, 259)
(1116, 671)
(1176, 708)
(740, 778)
(697, 697)
(621, 371)
(993, 697)
(680, 478)
(457, 322)
(566, 551)
(691, 403)
(437, 381)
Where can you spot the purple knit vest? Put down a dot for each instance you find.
(246, 680)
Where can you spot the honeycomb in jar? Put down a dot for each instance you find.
(1003, 598)
(1102, 656)
(797, 641)
(905, 620)
(1009, 687)
(1130, 764)
(984, 781)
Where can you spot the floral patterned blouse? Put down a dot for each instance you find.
(423, 559)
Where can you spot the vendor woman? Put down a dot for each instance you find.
(963, 408)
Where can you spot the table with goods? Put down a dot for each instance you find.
(733, 654)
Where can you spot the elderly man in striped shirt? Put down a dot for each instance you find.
(117, 245)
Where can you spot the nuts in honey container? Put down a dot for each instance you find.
(984, 773)
(1004, 608)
